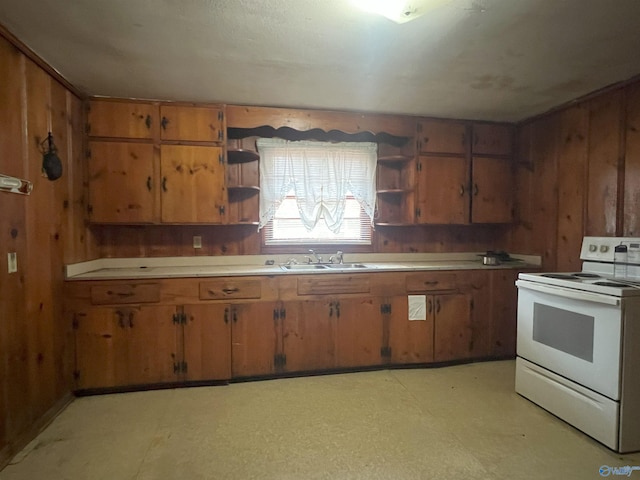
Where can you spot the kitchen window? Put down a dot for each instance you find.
(317, 192)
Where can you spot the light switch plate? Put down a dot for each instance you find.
(197, 241)
(12, 262)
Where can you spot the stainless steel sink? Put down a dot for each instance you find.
(347, 266)
(304, 267)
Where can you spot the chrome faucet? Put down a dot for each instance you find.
(339, 257)
(318, 257)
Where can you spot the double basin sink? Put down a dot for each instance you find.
(306, 267)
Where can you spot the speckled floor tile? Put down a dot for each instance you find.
(463, 422)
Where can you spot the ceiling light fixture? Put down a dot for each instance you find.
(400, 11)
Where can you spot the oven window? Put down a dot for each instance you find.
(563, 330)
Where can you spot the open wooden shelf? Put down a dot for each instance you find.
(241, 155)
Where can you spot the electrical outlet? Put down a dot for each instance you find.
(197, 241)
(12, 262)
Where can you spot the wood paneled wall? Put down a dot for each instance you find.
(578, 173)
(171, 240)
(46, 230)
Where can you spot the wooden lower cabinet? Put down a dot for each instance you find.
(332, 333)
(214, 338)
(256, 336)
(308, 336)
(410, 341)
(453, 328)
(359, 335)
(123, 346)
(207, 342)
(503, 313)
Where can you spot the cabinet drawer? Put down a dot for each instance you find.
(420, 282)
(125, 293)
(328, 284)
(229, 288)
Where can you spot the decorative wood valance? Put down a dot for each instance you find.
(246, 117)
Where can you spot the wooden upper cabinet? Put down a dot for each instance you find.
(193, 124)
(442, 190)
(122, 119)
(492, 190)
(492, 139)
(441, 136)
(122, 182)
(193, 184)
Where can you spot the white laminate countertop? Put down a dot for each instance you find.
(242, 265)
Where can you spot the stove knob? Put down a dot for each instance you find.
(604, 248)
(593, 248)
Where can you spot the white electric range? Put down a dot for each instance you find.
(578, 342)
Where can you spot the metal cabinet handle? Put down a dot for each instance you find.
(120, 318)
(475, 189)
(164, 122)
(120, 294)
(429, 306)
(164, 184)
(131, 314)
(438, 305)
(149, 185)
(462, 190)
(230, 290)
(226, 315)
(147, 122)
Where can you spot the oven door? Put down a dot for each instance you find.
(572, 333)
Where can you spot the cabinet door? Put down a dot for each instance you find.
(255, 339)
(122, 119)
(101, 348)
(193, 184)
(442, 190)
(411, 341)
(308, 336)
(504, 298)
(492, 200)
(359, 335)
(207, 342)
(438, 136)
(453, 329)
(122, 182)
(120, 346)
(152, 345)
(196, 124)
(492, 139)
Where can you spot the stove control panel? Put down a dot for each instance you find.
(602, 249)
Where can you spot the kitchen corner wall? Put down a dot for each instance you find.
(46, 230)
(578, 173)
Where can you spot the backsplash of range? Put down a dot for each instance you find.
(577, 344)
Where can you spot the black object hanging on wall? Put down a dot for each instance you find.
(51, 164)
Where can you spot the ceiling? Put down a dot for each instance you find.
(503, 60)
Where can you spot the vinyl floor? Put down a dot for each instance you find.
(460, 422)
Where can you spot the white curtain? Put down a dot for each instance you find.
(320, 174)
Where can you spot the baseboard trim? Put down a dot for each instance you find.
(16, 445)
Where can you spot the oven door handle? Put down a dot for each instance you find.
(569, 293)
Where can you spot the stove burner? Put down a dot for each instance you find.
(562, 276)
(609, 284)
(586, 275)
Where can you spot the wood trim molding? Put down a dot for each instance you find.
(31, 55)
